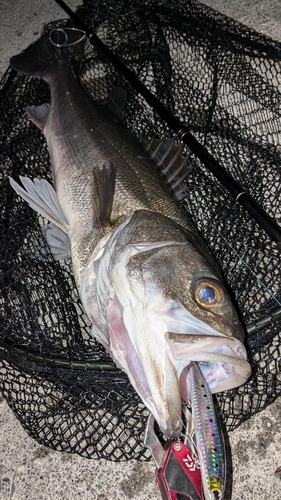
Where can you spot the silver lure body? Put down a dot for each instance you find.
(208, 436)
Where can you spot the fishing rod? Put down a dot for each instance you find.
(241, 196)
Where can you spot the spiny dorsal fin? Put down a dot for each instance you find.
(168, 157)
(117, 100)
(41, 196)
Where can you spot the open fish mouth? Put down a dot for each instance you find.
(225, 375)
(224, 368)
(223, 360)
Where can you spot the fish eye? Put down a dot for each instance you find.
(208, 293)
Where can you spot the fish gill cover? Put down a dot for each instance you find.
(223, 81)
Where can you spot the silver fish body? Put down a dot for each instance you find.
(146, 279)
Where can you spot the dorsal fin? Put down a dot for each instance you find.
(41, 196)
(168, 156)
(117, 100)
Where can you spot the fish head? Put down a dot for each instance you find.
(164, 305)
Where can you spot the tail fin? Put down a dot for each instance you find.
(39, 59)
(44, 56)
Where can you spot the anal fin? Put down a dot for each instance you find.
(57, 240)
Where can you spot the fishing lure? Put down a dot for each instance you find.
(208, 436)
(177, 467)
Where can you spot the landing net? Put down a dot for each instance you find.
(223, 81)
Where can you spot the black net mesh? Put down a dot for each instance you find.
(223, 80)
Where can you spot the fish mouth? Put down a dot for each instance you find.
(223, 363)
(223, 360)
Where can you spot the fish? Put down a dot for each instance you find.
(147, 281)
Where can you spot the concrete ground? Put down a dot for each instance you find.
(29, 471)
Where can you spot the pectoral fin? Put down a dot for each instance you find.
(103, 187)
